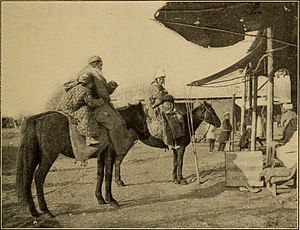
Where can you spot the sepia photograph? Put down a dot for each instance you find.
(149, 114)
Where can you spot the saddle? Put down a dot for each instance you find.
(83, 152)
(168, 128)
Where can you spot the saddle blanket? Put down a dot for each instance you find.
(83, 152)
(167, 130)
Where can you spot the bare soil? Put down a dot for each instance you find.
(149, 199)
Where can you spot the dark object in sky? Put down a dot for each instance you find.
(221, 24)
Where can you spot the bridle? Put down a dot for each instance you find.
(208, 110)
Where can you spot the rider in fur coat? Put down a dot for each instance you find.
(78, 102)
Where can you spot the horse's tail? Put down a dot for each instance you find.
(27, 160)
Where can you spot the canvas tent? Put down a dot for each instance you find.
(224, 24)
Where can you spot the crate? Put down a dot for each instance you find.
(243, 168)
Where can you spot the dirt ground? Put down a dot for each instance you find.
(150, 199)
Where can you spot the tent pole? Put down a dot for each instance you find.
(231, 146)
(270, 95)
(244, 85)
(254, 115)
(250, 92)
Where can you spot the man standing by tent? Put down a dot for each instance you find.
(225, 133)
(163, 112)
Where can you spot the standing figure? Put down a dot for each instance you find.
(288, 122)
(225, 133)
(211, 136)
(260, 131)
(78, 102)
(161, 108)
(106, 114)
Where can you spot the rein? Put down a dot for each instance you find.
(190, 119)
(205, 134)
(207, 110)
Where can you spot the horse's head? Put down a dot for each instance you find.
(135, 118)
(206, 113)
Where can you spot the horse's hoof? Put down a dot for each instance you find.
(175, 181)
(101, 201)
(48, 214)
(114, 203)
(183, 182)
(35, 214)
(120, 183)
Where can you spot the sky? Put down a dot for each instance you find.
(45, 44)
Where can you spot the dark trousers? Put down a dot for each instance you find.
(222, 146)
(211, 144)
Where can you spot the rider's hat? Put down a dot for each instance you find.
(287, 106)
(95, 59)
(159, 73)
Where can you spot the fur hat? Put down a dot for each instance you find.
(94, 59)
(159, 73)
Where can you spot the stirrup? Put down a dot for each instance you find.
(91, 141)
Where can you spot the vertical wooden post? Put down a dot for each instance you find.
(254, 115)
(270, 96)
(250, 91)
(242, 130)
(232, 121)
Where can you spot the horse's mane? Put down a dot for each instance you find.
(199, 107)
(195, 108)
(202, 105)
(122, 108)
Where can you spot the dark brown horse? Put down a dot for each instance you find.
(204, 112)
(46, 135)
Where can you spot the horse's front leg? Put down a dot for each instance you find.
(175, 165)
(180, 154)
(118, 162)
(100, 176)
(109, 162)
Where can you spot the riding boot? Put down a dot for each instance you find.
(221, 146)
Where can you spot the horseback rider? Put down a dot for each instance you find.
(106, 114)
(78, 103)
(161, 107)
